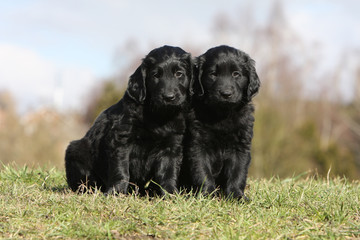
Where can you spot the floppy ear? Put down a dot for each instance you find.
(254, 81)
(186, 57)
(198, 87)
(136, 87)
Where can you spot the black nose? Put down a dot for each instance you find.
(169, 96)
(226, 93)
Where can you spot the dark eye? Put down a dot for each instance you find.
(178, 74)
(236, 74)
(213, 74)
(156, 74)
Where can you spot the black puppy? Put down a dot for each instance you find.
(220, 128)
(139, 138)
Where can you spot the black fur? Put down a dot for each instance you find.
(139, 138)
(220, 126)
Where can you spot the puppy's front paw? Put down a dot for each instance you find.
(237, 194)
(209, 189)
(119, 188)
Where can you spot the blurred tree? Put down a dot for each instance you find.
(10, 128)
(109, 94)
(38, 138)
(351, 117)
(112, 89)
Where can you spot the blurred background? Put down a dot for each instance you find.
(63, 62)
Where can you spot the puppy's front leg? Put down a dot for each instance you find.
(119, 176)
(201, 171)
(167, 174)
(118, 151)
(166, 164)
(236, 170)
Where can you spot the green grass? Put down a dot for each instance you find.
(37, 204)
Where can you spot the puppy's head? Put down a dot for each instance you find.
(164, 78)
(225, 76)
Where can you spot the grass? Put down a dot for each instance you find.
(36, 204)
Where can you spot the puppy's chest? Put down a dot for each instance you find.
(222, 139)
(166, 130)
(224, 132)
(160, 129)
(150, 134)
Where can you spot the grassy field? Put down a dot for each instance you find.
(37, 204)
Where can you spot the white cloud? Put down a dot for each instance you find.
(36, 81)
(333, 23)
(23, 71)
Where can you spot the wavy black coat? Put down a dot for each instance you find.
(220, 123)
(139, 139)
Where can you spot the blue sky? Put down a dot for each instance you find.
(70, 45)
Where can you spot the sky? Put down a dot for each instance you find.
(52, 53)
